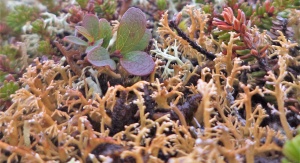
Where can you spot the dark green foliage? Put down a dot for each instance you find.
(248, 10)
(285, 4)
(7, 89)
(161, 4)
(8, 51)
(51, 5)
(45, 47)
(107, 9)
(82, 3)
(21, 14)
(38, 27)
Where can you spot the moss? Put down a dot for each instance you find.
(22, 14)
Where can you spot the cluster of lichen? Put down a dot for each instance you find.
(211, 86)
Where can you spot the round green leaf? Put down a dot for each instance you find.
(144, 42)
(137, 63)
(99, 57)
(131, 30)
(91, 23)
(105, 31)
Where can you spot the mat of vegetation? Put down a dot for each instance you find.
(150, 81)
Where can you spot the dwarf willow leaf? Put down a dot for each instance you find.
(137, 63)
(99, 56)
(75, 40)
(85, 33)
(131, 30)
(97, 43)
(144, 42)
(91, 23)
(105, 31)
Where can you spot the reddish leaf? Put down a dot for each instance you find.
(75, 40)
(99, 57)
(137, 63)
(97, 43)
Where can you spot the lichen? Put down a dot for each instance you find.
(222, 89)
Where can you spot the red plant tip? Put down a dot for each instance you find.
(228, 18)
(225, 27)
(217, 22)
(271, 10)
(243, 29)
(267, 5)
(254, 52)
(237, 25)
(236, 6)
(241, 16)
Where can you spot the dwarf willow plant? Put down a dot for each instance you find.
(132, 38)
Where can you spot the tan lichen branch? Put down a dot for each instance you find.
(236, 69)
(198, 23)
(178, 112)
(20, 151)
(162, 95)
(280, 94)
(105, 120)
(285, 46)
(245, 99)
(205, 108)
(229, 47)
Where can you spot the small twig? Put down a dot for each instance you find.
(193, 44)
(69, 57)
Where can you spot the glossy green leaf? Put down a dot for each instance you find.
(99, 57)
(91, 23)
(243, 52)
(131, 30)
(85, 33)
(291, 149)
(225, 36)
(144, 42)
(75, 40)
(138, 63)
(105, 31)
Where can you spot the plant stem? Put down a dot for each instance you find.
(193, 44)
